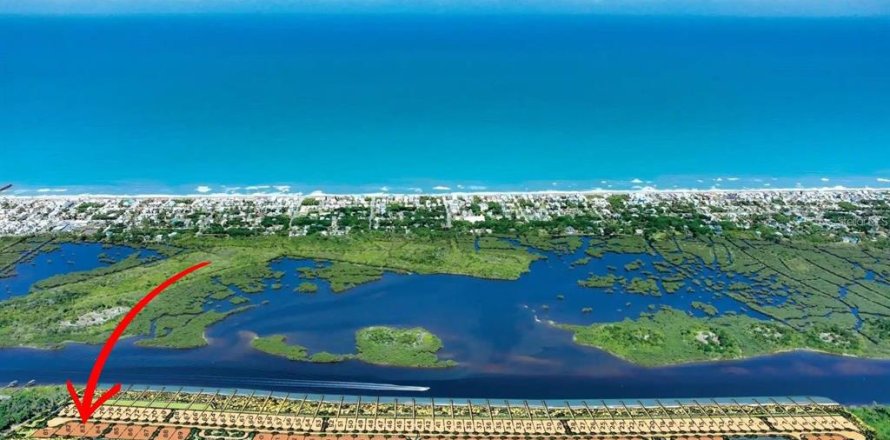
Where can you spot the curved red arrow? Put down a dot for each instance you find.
(86, 407)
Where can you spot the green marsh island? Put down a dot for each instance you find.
(380, 345)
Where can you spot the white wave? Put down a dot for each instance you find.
(636, 181)
(282, 188)
(203, 189)
(333, 384)
(824, 179)
(883, 180)
(52, 190)
(384, 189)
(441, 188)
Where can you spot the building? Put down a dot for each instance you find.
(149, 413)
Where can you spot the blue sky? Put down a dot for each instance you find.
(780, 8)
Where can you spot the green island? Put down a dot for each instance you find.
(413, 347)
(306, 287)
(643, 286)
(706, 308)
(670, 336)
(277, 345)
(343, 275)
(602, 281)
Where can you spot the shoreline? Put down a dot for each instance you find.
(728, 361)
(594, 192)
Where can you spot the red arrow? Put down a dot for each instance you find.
(86, 407)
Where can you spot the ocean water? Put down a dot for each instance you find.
(435, 103)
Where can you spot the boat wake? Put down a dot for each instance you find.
(341, 384)
(245, 382)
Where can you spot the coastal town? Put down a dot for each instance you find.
(840, 215)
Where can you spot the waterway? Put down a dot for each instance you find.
(496, 330)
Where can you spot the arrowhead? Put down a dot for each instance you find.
(86, 407)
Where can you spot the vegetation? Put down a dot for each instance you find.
(74, 277)
(323, 357)
(307, 287)
(390, 346)
(633, 265)
(877, 418)
(705, 308)
(238, 300)
(48, 315)
(645, 286)
(278, 346)
(830, 296)
(600, 281)
(544, 241)
(413, 347)
(811, 293)
(26, 403)
(180, 332)
(343, 276)
(627, 244)
(670, 337)
(581, 261)
(14, 250)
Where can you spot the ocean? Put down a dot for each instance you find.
(435, 103)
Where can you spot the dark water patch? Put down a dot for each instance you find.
(859, 322)
(847, 380)
(67, 258)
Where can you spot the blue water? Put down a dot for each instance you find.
(69, 257)
(497, 331)
(340, 103)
